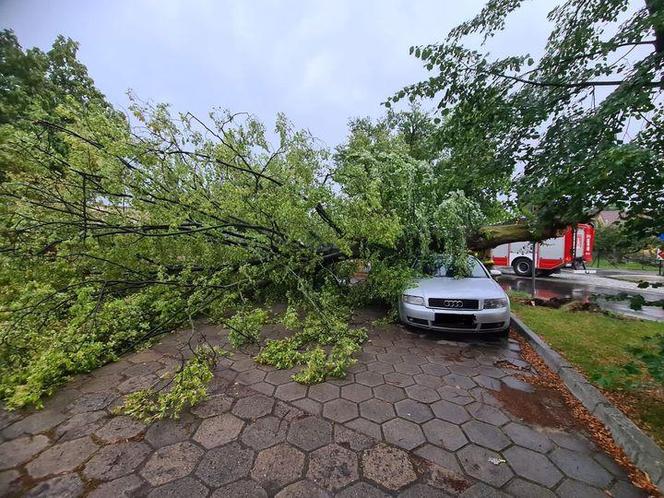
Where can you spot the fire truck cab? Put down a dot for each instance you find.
(574, 248)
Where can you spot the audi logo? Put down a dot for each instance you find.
(453, 303)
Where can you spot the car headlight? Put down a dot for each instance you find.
(407, 298)
(491, 304)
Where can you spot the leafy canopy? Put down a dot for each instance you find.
(580, 128)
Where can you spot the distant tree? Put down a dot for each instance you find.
(615, 244)
(579, 129)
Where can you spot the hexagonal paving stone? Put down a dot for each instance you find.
(533, 466)
(366, 427)
(407, 368)
(390, 358)
(214, 405)
(218, 430)
(476, 461)
(572, 441)
(253, 407)
(524, 489)
(81, 424)
(573, 488)
(435, 370)
(123, 487)
(323, 392)
(376, 410)
(424, 491)
(370, 379)
(388, 467)
(188, 486)
(519, 385)
(171, 462)
(356, 392)
(102, 383)
(449, 411)
(413, 410)
(626, 489)
(491, 371)
(278, 377)
(403, 433)
(457, 380)
(91, 402)
(264, 432)
(290, 391)
(245, 488)
(10, 483)
(428, 380)
(527, 437)
(309, 405)
(361, 490)
(225, 464)
(340, 410)
(168, 431)
(117, 460)
(18, 451)
(278, 466)
(264, 388)
(252, 376)
(310, 433)
(486, 435)
(244, 364)
(380, 367)
(120, 428)
(439, 456)
(133, 384)
(399, 379)
(422, 393)
(332, 467)
(581, 467)
(444, 434)
(389, 393)
(301, 489)
(456, 395)
(62, 457)
(67, 486)
(487, 382)
(487, 413)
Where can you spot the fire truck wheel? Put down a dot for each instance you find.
(522, 267)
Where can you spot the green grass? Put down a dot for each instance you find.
(626, 265)
(595, 343)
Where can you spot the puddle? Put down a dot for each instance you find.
(544, 407)
(551, 289)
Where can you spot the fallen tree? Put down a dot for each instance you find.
(116, 229)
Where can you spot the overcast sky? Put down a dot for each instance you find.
(321, 62)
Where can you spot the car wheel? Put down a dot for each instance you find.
(522, 267)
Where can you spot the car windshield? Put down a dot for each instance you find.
(438, 269)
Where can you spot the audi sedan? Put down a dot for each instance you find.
(475, 304)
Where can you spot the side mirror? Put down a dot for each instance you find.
(495, 273)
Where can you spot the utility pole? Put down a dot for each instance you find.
(534, 265)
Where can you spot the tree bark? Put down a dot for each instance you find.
(655, 7)
(494, 235)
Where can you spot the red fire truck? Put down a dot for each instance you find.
(574, 248)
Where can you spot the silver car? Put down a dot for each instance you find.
(475, 304)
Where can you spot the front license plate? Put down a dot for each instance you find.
(455, 321)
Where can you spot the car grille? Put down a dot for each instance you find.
(454, 304)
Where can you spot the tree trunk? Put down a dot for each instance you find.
(494, 235)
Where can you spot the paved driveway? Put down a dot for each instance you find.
(418, 417)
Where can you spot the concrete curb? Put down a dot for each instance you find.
(639, 447)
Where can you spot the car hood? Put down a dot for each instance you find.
(462, 288)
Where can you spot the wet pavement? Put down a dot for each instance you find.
(554, 287)
(418, 416)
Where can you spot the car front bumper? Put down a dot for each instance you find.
(479, 321)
